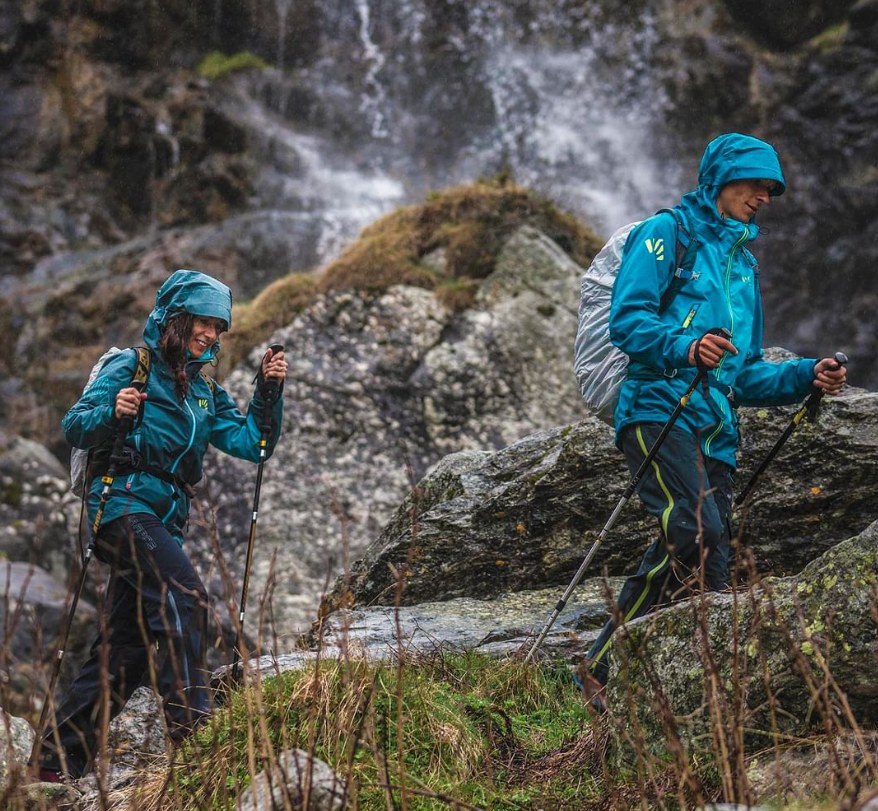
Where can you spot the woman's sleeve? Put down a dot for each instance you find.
(91, 420)
(237, 434)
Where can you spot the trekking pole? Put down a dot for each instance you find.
(810, 407)
(626, 496)
(271, 391)
(116, 460)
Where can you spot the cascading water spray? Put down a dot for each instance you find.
(283, 10)
(372, 103)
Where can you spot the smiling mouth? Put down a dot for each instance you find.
(202, 344)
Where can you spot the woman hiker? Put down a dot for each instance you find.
(179, 413)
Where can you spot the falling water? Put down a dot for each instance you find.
(283, 10)
(375, 98)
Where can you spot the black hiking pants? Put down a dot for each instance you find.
(156, 606)
(686, 491)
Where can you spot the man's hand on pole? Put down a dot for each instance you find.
(707, 351)
(829, 376)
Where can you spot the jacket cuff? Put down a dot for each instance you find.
(680, 352)
(805, 375)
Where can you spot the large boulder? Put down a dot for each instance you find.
(33, 609)
(523, 517)
(381, 387)
(788, 656)
(38, 513)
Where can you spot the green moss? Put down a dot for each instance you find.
(12, 494)
(831, 38)
(216, 65)
(546, 310)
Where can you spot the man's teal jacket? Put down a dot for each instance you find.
(722, 291)
(173, 435)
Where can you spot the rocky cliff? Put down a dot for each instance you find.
(132, 146)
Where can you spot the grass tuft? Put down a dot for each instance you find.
(470, 728)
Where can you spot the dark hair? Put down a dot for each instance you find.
(173, 345)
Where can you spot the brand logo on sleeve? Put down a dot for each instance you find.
(202, 402)
(656, 247)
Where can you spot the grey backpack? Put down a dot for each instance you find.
(600, 366)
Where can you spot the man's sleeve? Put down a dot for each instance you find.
(647, 267)
(762, 383)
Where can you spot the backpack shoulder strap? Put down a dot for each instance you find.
(211, 383)
(142, 367)
(687, 248)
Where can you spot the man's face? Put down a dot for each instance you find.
(741, 199)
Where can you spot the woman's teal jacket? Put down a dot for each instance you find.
(722, 291)
(172, 435)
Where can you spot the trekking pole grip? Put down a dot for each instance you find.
(270, 392)
(812, 404)
(123, 428)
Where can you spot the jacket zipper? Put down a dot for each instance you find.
(710, 438)
(729, 291)
(185, 451)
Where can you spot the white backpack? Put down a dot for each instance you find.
(601, 367)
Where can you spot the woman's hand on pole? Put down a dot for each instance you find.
(829, 376)
(128, 402)
(274, 366)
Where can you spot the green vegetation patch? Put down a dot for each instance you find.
(448, 727)
(469, 223)
(216, 65)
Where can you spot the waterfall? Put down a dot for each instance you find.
(405, 96)
(283, 10)
(372, 102)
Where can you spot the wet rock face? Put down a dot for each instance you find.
(37, 510)
(526, 515)
(823, 127)
(783, 24)
(32, 614)
(785, 636)
(380, 388)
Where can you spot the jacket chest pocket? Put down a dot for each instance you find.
(690, 315)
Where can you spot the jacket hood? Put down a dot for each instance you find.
(739, 157)
(188, 291)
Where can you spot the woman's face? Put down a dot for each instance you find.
(205, 331)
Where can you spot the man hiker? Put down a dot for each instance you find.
(156, 604)
(689, 488)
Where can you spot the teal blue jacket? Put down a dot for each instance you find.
(173, 435)
(723, 291)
